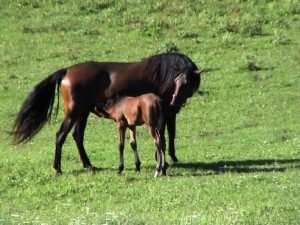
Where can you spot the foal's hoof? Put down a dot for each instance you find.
(162, 173)
(156, 174)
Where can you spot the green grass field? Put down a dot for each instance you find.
(238, 138)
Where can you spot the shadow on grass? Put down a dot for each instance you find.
(244, 166)
(93, 170)
(212, 168)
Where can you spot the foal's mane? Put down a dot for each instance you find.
(168, 66)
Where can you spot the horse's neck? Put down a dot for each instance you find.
(140, 71)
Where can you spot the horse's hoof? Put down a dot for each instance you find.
(120, 169)
(156, 174)
(174, 159)
(166, 165)
(92, 168)
(138, 168)
(58, 173)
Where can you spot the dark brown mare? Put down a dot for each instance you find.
(171, 76)
(129, 112)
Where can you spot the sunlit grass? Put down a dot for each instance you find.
(237, 138)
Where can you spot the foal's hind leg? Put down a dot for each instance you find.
(162, 144)
(121, 130)
(78, 136)
(134, 148)
(158, 145)
(61, 136)
(161, 134)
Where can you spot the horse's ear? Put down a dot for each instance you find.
(198, 72)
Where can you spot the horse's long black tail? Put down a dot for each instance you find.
(37, 108)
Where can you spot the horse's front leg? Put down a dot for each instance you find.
(171, 126)
(162, 144)
(133, 145)
(121, 129)
(161, 162)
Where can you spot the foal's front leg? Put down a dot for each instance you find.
(134, 148)
(121, 129)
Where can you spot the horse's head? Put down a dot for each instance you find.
(186, 83)
(176, 78)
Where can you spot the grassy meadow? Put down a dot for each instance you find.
(238, 138)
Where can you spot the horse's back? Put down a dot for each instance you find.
(88, 73)
(87, 83)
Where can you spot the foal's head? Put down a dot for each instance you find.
(103, 109)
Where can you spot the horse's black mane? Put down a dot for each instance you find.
(168, 66)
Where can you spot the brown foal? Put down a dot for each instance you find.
(129, 112)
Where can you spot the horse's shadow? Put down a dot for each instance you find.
(243, 166)
(220, 167)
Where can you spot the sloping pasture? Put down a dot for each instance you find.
(238, 138)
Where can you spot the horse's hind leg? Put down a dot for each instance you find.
(134, 148)
(78, 136)
(61, 136)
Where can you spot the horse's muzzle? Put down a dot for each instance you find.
(175, 108)
(177, 103)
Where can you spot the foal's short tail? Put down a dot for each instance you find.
(37, 108)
